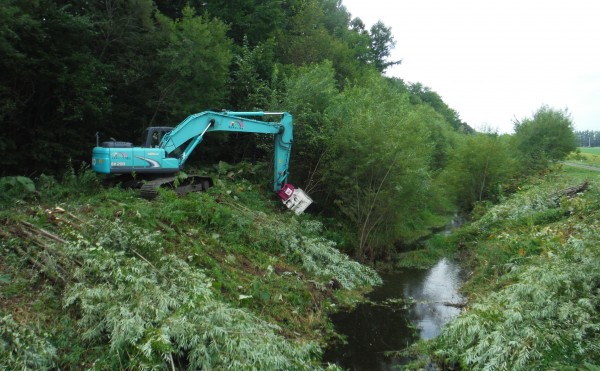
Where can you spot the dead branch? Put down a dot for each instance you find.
(454, 305)
(573, 191)
(43, 232)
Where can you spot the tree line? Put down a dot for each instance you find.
(382, 158)
(588, 138)
(71, 68)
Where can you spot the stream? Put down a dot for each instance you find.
(409, 305)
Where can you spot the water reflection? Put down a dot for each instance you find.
(373, 329)
(439, 288)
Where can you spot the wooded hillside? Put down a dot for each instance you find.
(72, 68)
(387, 157)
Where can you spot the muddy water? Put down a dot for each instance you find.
(411, 304)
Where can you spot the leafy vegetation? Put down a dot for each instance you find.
(546, 137)
(72, 69)
(195, 282)
(24, 348)
(386, 161)
(388, 190)
(534, 295)
(594, 151)
(223, 278)
(479, 167)
(129, 65)
(585, 156)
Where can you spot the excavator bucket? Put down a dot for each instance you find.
(295, 199)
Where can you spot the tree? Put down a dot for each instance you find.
(377, 165)
(588, 138)
(478, 167)
(195, 65)
(546, 137)
(51, 85)
(306, 40)
(382, 43)
(251, 19)
(310, 91)
(250, 75)
(421, 94)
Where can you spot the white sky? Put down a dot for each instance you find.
(493, 60)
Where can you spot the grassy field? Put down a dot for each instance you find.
(592, 150)
(580, 175)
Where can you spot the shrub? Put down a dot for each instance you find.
(15, 188)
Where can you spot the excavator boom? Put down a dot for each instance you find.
(193, 128)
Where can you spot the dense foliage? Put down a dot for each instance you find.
(195, 282)
(389, 188)
(116, 67)
(223, 279)
(546, 137)
(386, 159)
(70, 69)
(479, 167)
(535, 284)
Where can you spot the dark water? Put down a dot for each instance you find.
(410, 298)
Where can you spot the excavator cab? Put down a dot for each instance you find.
(153, 135)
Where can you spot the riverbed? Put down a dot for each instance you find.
(411, 304)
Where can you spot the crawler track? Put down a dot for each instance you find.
(193, 183)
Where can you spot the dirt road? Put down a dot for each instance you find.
(582, 166)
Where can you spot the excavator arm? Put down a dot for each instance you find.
(190, 132)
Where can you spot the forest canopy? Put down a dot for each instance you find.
(70, 69)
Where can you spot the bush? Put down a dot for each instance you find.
(16, 188)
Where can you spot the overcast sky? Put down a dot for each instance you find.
(494, 61)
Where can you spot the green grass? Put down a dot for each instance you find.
(579, 174)
(586, 156)
(592, 150)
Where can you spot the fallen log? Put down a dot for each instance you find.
(572, 191)
(454, 305)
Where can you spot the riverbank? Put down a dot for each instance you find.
(534, 267)
(228, 278)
